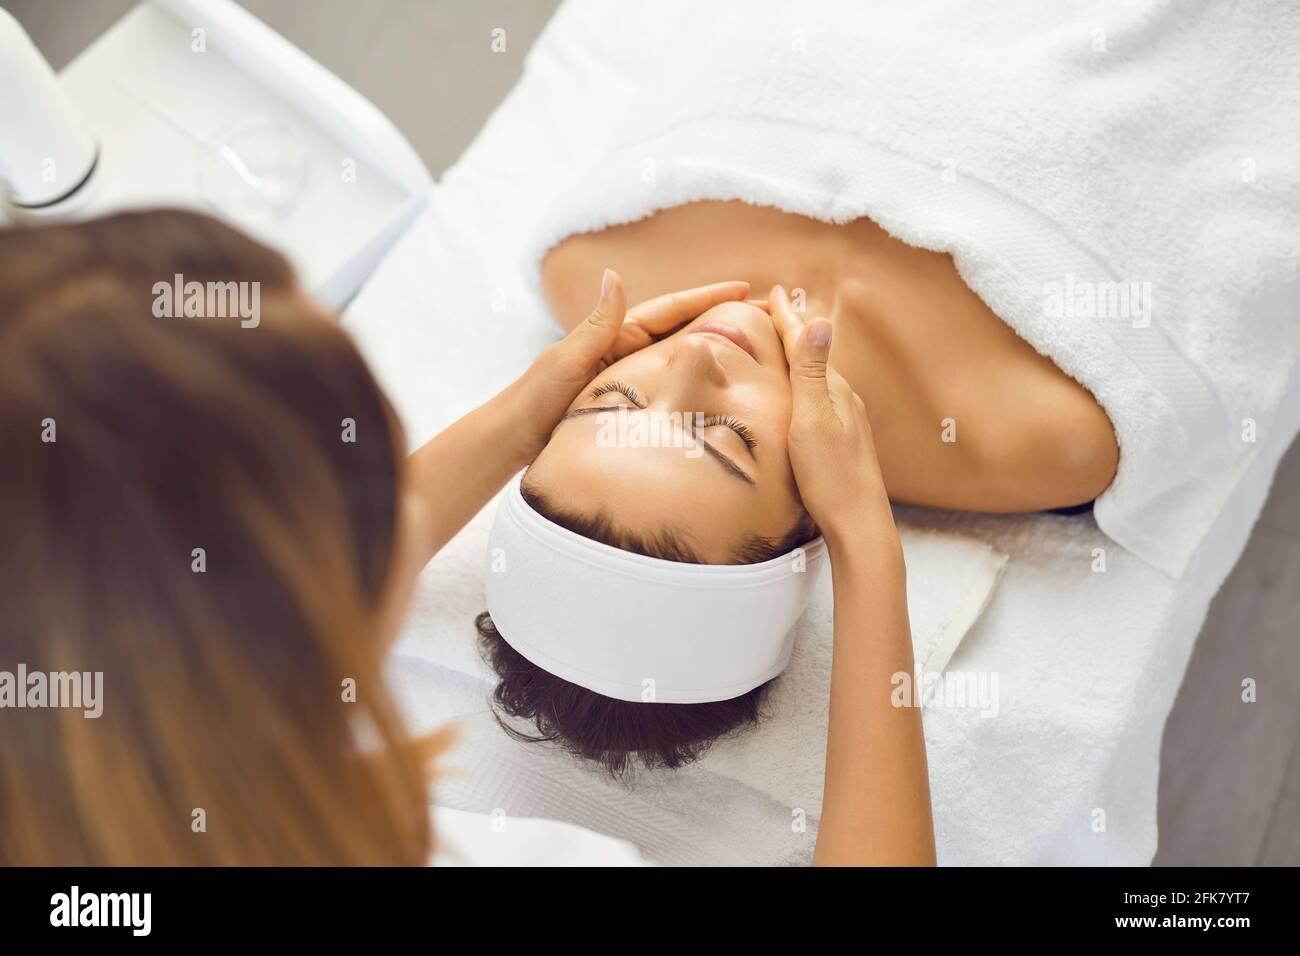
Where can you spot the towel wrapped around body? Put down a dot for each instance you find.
(1117, 180)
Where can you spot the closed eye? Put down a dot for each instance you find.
(736, 425)
(615, 386)
(621, 388)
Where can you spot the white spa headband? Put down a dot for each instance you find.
(637, 628)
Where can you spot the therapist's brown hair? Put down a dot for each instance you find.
(181, 510)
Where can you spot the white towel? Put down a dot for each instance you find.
(1089, 660)
(479, 839)
(950, 580)
(1117, 180)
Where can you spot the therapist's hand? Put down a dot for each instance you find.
(831, 447)
(544, 393)
(876, 791)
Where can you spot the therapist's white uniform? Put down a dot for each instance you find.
(482, 839)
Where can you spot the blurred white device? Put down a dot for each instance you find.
(46, 149)
(198, 104)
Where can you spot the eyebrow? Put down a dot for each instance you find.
(722, 459)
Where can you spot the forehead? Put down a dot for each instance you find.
(651, 492)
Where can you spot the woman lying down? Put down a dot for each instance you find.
(228, 572)
(640, 599)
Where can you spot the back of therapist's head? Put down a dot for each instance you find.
(202, 510)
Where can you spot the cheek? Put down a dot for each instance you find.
(782, 409)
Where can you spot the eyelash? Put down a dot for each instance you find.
(736, 425)
(621, 387)
(727, 421)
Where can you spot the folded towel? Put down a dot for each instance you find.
(950, 580)
(1131, 219)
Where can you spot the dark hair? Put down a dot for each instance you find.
(620, 734)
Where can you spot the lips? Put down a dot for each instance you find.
(730, 333)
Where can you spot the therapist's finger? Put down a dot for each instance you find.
(811, 376)
(664, 313)
(596, 334)
(789, 324)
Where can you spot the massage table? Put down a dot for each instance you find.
(1084, 624)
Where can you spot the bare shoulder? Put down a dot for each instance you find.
(566, 272)
(1054, 449)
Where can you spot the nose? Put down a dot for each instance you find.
(694, 371)
(697, 355)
